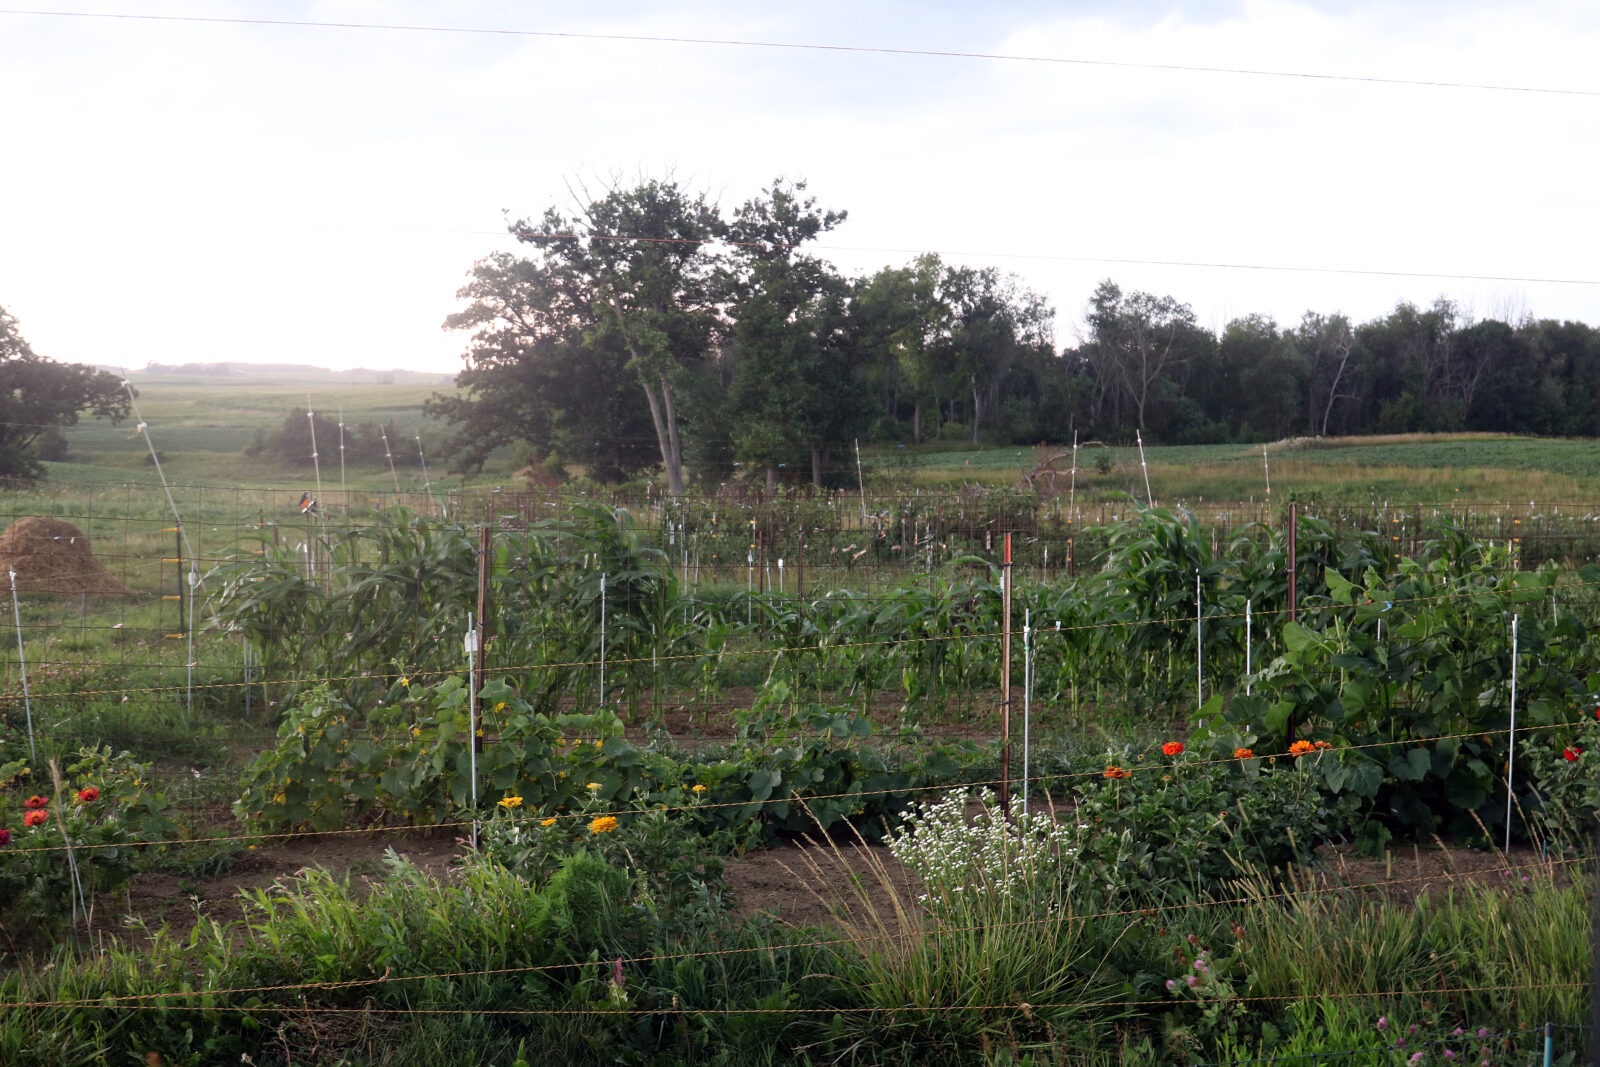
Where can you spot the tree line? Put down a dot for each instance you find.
(646, 329)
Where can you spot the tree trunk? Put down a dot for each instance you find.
(916, 423)
(977, 411)
(819, 465)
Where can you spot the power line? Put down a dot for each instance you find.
(804, 46)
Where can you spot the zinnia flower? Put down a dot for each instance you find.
(551, 821)
(1243, 753)
(35, 818)
(510, 802)
(1571, 754)
(35, 803)
(1300, 748)
(1114, 771)
(5, 837)
(593, 787)
(603, 825)
(89, 795)
(1172, 748)
(697, 788)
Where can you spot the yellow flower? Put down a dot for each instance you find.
(416, 731)
(698, 789)
(597, 744)
(593, 787)
(551, 821)
(561, 774)
(500, 706)
(511, 802)
(603, 825)
(405, 681)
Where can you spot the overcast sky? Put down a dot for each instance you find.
(176, 189)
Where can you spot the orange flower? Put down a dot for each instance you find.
(1301, 748)
(89, 795)
(603, 825)
(1243, 753)
(36, 803)
(35, 818)
(1172, 748)
(1114, 772)
(1320, 745)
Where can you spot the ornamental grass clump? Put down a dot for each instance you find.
(984, 950)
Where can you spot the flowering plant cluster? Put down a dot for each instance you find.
(959, 854)
(1564, 772)
(102, 805)
(1189, 819)
(675, 868)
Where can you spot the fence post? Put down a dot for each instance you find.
(1005, 676)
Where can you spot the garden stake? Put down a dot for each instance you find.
(383, 432)
(188, 688)
(470, 643)
(1247, 668)
(22, 663)
(316, 461)
(1027, 699)
(1199, 648)
(1549, 1044)
(602, 699)
(1511, 737)
(1148, 498)
(1005, 676)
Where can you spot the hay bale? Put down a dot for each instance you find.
(53, 556)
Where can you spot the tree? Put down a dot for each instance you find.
(791, 391)
(639, 257)
(538, 371)
(1138, 340)
(994, 321)
(39, 396)
(1326, 344)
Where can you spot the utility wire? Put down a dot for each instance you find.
(805, 46)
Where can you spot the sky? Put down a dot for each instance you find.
(186, 181)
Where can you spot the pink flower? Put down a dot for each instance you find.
(5, 837)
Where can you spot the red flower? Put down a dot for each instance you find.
(1571, 754)
(1597, 713)
(1172, 748)
(1116, 772)
(35, 818)
(5, 837)
(36, 803)
(88, 795)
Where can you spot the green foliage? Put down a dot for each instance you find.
(1418, 715)
(38, 397)
(1183, 826)
(103, 806)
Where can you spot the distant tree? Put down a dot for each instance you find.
(792, 393)
(1326, 345)
(641, 259)
(993, 322)
(540, 373)
(1138, 342)
(39, 396)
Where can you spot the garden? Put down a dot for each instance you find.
(1168, 805)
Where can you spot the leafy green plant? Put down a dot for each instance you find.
(81, 834)
(1186, 823)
